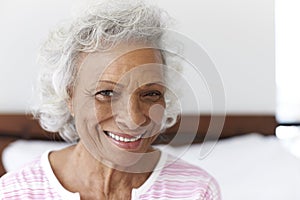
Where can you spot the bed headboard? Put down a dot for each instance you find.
(21, 126)
(25, 127)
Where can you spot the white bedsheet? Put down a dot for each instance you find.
(250, 167)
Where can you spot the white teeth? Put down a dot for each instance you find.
(123, 139)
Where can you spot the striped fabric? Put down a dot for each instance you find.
(28, 183)
(180, 180)
(171, 179)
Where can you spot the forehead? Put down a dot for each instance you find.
(138, 63)
(143, 64)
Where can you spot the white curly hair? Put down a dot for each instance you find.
(100, 27)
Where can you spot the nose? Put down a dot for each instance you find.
(131, 114)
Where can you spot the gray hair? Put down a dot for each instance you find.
(101, 27)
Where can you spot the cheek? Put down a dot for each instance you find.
(156, 112)
(102, 111)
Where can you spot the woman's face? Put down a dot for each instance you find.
(118, 104)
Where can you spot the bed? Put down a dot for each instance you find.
(248, 164)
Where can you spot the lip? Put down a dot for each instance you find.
(128, 145)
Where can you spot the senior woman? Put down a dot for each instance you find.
(104, 88)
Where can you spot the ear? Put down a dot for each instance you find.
(70, 106)
(70, 101)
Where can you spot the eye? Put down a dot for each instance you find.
(105, 95)
(152, 95)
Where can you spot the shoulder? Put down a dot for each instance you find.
(28, 182)
(186, 181)
(180, 168)
(28, 174)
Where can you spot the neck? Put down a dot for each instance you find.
(90, 175)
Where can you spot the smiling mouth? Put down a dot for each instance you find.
(126, 139)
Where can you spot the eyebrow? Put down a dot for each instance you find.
(111, 82)
(155, 83)
(120, 85)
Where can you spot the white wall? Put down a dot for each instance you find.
(238, 35)
(23, 25)
(288, 61)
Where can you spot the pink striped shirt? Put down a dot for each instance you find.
(171, 179)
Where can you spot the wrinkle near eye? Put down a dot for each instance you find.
(88, 93)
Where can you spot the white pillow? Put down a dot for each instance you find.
(20, 152)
